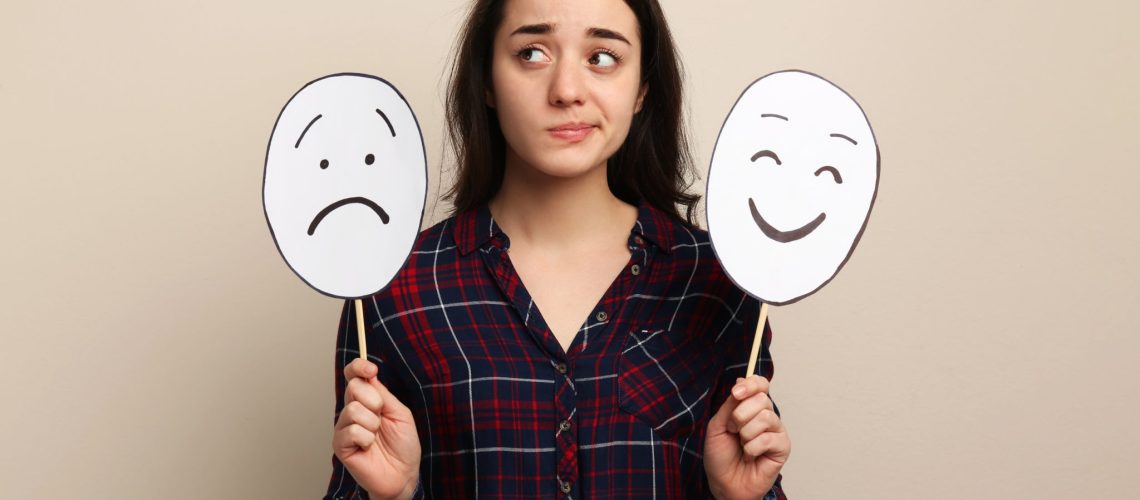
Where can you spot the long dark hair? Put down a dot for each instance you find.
(653, 164)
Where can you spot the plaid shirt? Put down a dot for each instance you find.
(503, 411)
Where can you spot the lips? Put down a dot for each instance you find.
(784, 236)
(572, 132)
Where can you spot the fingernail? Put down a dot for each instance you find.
(738, 390)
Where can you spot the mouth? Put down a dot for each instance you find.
(572, 132)
(348, 201)
(784, 236)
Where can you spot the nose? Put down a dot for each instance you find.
(567, 87)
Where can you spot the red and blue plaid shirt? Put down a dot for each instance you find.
(503, 411)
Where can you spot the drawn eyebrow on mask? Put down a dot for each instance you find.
(774, 115)
(311, 122)
(841, 136)
(385, 117)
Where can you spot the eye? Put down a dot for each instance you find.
(604, 59)
(532, 55)
(834, 173)
(369, 159)
(768, 154)
(324, 164)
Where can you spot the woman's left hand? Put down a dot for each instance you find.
(746, 444)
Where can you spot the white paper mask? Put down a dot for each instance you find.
(793, 177)
(345, 183)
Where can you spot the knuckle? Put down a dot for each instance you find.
(739, 416)
(356, 411)
(762, 383)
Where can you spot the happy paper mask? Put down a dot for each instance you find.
(345, 183)
(793, 177)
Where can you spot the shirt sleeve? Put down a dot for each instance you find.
(736, 351)
(342, 486)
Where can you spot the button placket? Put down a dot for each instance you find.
(565, 439)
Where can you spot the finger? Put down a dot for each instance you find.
(356, 413)
(765, 421)
(747, 387)
(360, 368)
(750, 407)
(391, 406)
(360, 390)
(359, 436)
(759, 445)
(775, 445)
(351, 439)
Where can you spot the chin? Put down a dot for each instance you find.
(565, 164)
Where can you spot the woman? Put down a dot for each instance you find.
(591, 352)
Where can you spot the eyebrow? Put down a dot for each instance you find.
(385, 117)
(841, 136)
(774, 115)
(545, 28)
(311, 122)
(607, 34)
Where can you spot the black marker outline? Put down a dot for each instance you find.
(834, 173)
(303, 132)
(385, 117)
(347, 201)
(784, 236)
(870, 208)
(771, 154)
(841, 136)
(265, 170)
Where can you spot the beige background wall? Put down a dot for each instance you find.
(982, 340)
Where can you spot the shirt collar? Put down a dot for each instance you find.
(476, 227)
(656, 226)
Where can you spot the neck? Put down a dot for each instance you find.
(540, 210)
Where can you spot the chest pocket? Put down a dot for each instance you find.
(666, 379)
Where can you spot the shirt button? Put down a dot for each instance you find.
(635, 269)
(602, 316)
(565, 487)
(561, 367)
(564, 426)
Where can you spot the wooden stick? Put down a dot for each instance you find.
(360, 330)
(756, 339)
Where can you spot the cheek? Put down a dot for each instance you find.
(621, 97)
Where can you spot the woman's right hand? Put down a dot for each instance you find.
(375, 436)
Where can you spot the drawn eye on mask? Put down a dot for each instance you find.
(345, 184)
(793, 177)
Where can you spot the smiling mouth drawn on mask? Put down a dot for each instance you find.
(784, 236)
(348, 201)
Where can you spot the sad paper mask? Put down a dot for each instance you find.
(345, 183)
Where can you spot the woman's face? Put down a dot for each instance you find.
(566, 82)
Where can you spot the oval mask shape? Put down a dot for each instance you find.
(793, 177)
(345, 183)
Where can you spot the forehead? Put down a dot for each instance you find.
(806, 101)
(571, 17)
